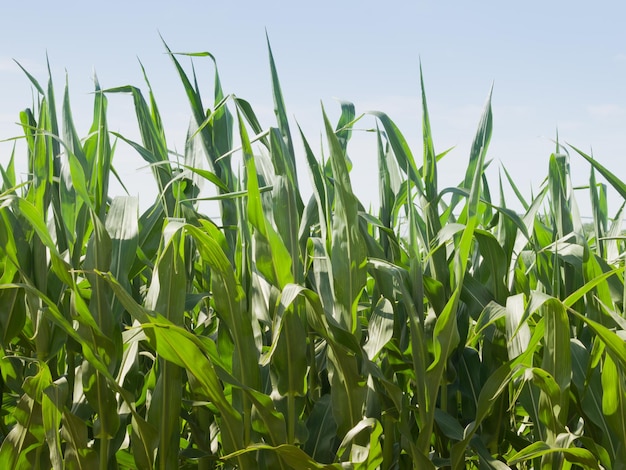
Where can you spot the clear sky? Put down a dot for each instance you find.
(554, 65)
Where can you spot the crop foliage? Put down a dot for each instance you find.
(441, 330)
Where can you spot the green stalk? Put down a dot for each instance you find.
(167, 295)
(444, 391)
(291, 411)
(104, 454)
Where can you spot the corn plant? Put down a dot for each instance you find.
(443, 330)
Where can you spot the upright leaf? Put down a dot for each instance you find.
(348, 252)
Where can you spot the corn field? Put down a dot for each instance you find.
(441, 330)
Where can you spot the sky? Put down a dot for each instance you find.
(554, 66)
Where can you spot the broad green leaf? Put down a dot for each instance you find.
(281, 113)
(322, 429)
(380, 328)
(216, 138)
(74, 432)
(616, 182)
(123, 228)
(556, 352)
(292, 455)
(616, 346)
(320, 190)
(493, 387)
(98, 153)
(53, 401)
(614, 398)
(574, 455)
(348, 389)
(289, 363)
(448, 425)
(518, 332)
(166, 296)
(348, 252)
(271, 257)
(36, 218)
(401, 149)
(175, 346)
(363, 456)
(27, 434)
(229, 302)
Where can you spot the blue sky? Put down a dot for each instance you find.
(554, 65)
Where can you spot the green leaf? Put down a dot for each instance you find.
(401, 149)
(322, 429)
(52, 405)
(348, 252)
(556, 354)
(380, 328)
(348, 389)
(574, 455)
(281, 112)
(364, 456)
(175, 345)
(123, 228)
(290, 454)
(494, 386)
(289, 363)
(616, 182)
(74, 432)
(614, 398)
(271, 257)
(166, 296)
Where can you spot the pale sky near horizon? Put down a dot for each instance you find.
(554, 65)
